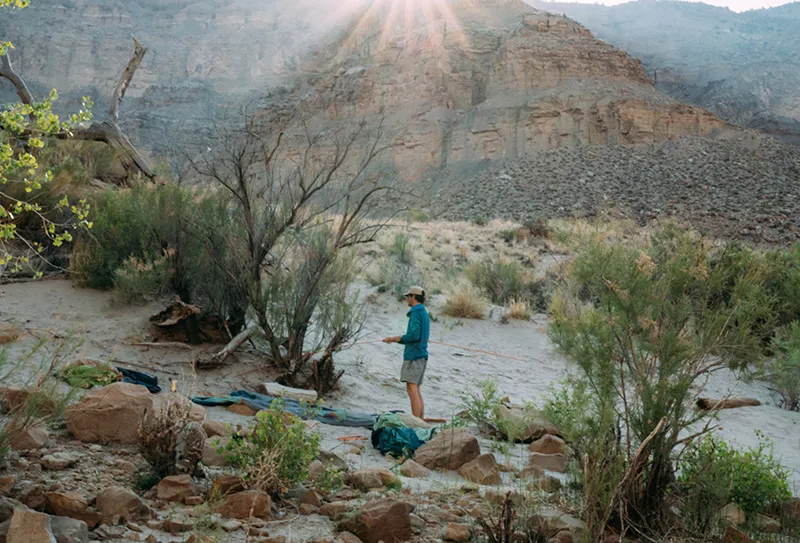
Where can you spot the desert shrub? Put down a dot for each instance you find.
(480, 220)
(418, 215)
(536, 228)
(516, 519)
(397, 270)
(141, 280)
(509, 235)
(784, 370)
(160, 436)
(657, 324)
(479, 403)
(465, 302)
(501, 280)
(276, 453)
(518, 310)
(402, 249)
(712, 474)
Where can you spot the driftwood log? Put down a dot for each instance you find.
(108, 130)
(708, 404)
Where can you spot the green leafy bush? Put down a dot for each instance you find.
(784, 371)
(479, 404)
(276, 453)
(712, 474)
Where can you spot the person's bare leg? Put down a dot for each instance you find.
(417, 403)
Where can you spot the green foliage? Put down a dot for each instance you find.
(480, 220)
(401, 249)
(277, 452)
(509, 235)
(330, 480)
(88, 376)
(501, 280)
(479, 404)
(397, 271)
(712, 474)
(661, 318)
(144, 480)
(784, 371)
(418, 215)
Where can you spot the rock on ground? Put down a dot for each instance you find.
(371, 478)
(226, 484)
(33, 437)
(384, 520)
(121, 504)
(552, 462)
(30, 527)
(483, 470)
(456, 532)
(414, 470)
(175, 488)
(548, 444)
(58, 460)
(71, 505)
(247, 504)
(449, 449)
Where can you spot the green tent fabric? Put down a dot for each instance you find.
(390, 435)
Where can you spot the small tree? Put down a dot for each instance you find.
(299, 214)
(656, 326)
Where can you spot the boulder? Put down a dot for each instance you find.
(708, 404)
(113, 413)
(386, 520)
(554, 520)
(216, 428)
(548, 444)
(531, 472)
(9, 333)
(732, 535)
(347, 537)
(33, 437)
(310, 497)
(532, 424)
(449, 449)
(334, 510)
(552, 462)
(71, 505)
(117, 504)
(456, 532)
(226, 484)
(175, 488)
(58, 461)
(69, 530)
(333, 460)
(483, 471)
(367, 479)
(766, 524)
(16, 398)
(32, 495)
(30, 527)
(732, 514)
(211, 456)
(414, 470)
(247, 504)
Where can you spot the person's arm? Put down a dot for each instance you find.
(414, 332)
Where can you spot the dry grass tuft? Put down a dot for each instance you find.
(518, 310)
(465, 302)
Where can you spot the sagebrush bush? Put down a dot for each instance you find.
(161, 434)
(276, 454)
(518, 310)
(712, 474)
(465, 302)
(784, 370)
(500, 280)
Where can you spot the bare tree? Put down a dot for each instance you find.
(302, 206)
(108, 130)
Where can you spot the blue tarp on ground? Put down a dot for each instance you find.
(140, 378)
(260, 402)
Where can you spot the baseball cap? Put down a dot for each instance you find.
(417, 291)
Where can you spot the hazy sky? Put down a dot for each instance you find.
(735, 5)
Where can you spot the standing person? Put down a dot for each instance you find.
(415, 353)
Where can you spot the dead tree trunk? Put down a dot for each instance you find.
(108, 130)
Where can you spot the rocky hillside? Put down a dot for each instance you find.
(461, 82)
(741, 66)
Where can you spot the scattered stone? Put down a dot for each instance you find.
(194, 500)
(226, 484)
(370, 478)
(58, 461)
(311, 498)
(766, 524)
(172, 526)
(515, 417)
(33, 496)
(306, 509)
(68, 530)
(125, 466)
(708, 404)
(548, 483)
(231, 525)
(243, 505)
(106, 533)
(531, 472)
(548, 444)
(482, 471)
(9, 333)
(449, 449)
(732, 535)
(175, 488)
(7, 482)
(334, 510)
(64, 504)
(552, 462)
(385, 520)
(328, 458)
(564, 536)
(456, 532)
(414, 470)
(416, 522)
(216, 428)
(554, 520)
(732, 514)
(211, 456)
(242, 409)
(347, 537)
(199, 538)
(33, 437)
(315, 470)
(506, 468)
(498, 496)
(117, 504)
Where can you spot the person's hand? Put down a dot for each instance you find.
(392, 339)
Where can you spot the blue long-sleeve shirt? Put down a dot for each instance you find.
(418, 333)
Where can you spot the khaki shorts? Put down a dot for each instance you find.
(413, 371)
